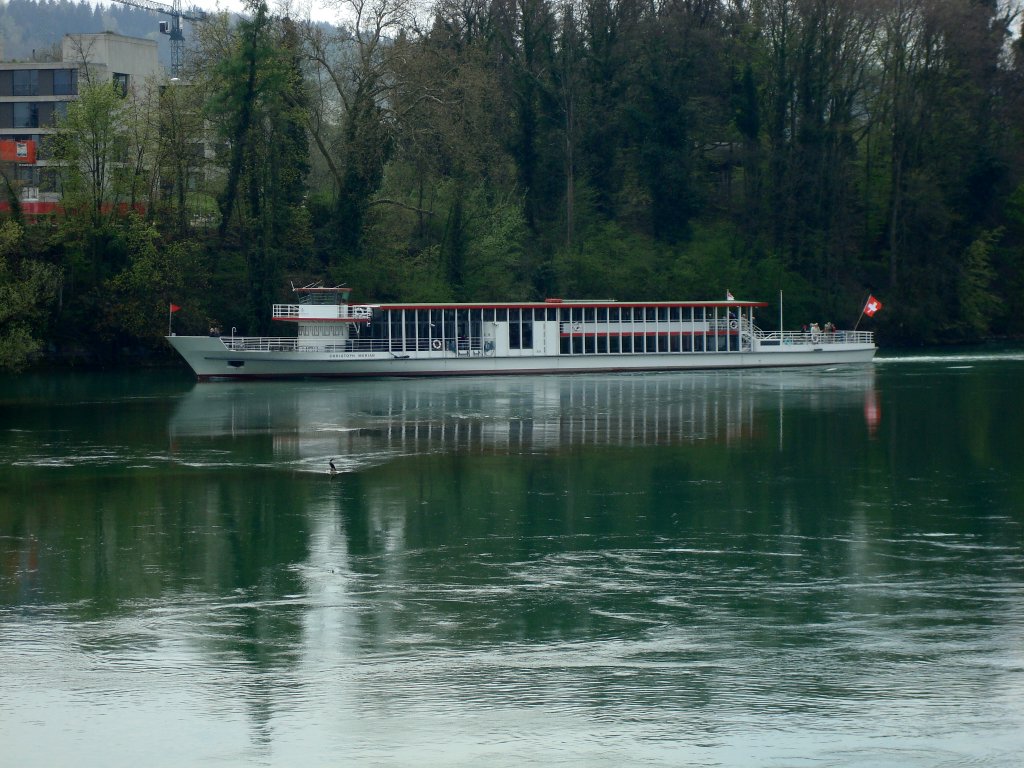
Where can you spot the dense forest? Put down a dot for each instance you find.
(519, 149)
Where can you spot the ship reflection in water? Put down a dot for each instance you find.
(362, 422)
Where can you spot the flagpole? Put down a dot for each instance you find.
(169, 315)
(781, 326)
(863, 306)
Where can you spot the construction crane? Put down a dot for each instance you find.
(171, 28)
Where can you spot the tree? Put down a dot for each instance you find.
(180, 156)
(353, 118)
(258, 106)
(26, 287)
(157, 273)
(100, 153)
(103, 162)
(978, 303)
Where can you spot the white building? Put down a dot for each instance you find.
(33, 94)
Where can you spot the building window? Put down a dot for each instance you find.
(65, 82)
(28, 175)
(26, 82)
(26, 115)
(121, 81)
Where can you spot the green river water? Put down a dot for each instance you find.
(760, 568)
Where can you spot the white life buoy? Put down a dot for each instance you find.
(734, 324)
(577, 327)
(815, 337)
(435, 344)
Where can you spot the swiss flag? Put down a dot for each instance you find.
(872, 306)
(175, 307)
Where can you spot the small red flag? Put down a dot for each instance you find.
(872, 306)
(175, 307)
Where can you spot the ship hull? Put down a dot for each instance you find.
(211, 359)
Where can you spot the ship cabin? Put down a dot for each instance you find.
(326, 321)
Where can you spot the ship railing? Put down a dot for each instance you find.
(724, 324)
(457, 346)
(322, 311)
(774, 338)
(464, 346)
(260, 343)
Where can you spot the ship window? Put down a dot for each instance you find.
(577, 345)
(563, 345)
(577, 314)
(602, 314)
(613, 315)
(650, 314)
(663, 343)
(662, 314)
(698, 313)
(502, 315)
(602, 344)
(673, 314)
(520, 333)
(588, 315)
(489, 315)
(588, 345)
(527, 334)
(552, 313)
(698, 343)
(613, 344)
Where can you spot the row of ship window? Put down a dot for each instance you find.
(463, 337)
(647, 343)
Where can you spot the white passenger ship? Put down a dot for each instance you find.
(337, 339)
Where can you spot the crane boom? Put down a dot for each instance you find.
(172, 30)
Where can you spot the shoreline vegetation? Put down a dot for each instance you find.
(506, 152)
